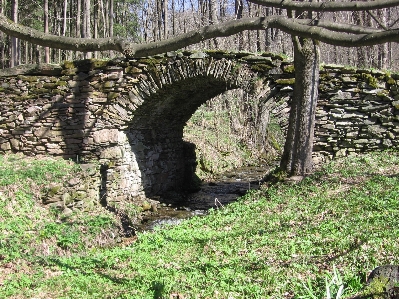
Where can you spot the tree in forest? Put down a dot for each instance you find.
(14, 60)
(304, 24)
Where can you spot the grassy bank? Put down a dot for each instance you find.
(283, 241)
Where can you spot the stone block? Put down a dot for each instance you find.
(5, 146)
(112, 153)
(15, 143)
(106, 135)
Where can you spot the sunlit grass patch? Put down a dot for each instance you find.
(283, 241)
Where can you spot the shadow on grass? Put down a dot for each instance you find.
(99, 264)
(158, 288)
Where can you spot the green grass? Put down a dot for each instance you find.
(283, 241)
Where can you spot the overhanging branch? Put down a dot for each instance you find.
(324, 31)
(328, 6)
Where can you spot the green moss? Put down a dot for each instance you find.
(348, 70)
(62, 83)
(260, 67)
(27, 78)
(377, 288)
(216, 52)
(382, 93)
(26, 97)
(324, 76)
(39, 90)
(54, 190)
(133, 70)
(111, 164)
(150, 61)
(69, 72)
(108, 84)
(289, 69)
(112, 95)
(2, 89)
(370, 80)
(290, 81)
(98, 64)
(59, 92)
(69, 65)
(390, 80)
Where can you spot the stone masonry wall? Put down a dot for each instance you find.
(126, 118)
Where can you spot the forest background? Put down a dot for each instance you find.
(146, 21)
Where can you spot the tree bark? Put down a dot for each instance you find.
(46, 49)
(297, 156)
(165, 19)
(14, 60)
(86, 24)
(383, 49)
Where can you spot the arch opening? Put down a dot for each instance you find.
(165, 161)
(162, 159)
(233, 130)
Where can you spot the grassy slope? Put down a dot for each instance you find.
(279, 242)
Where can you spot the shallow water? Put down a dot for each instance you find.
(225, 189)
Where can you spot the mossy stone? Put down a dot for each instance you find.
(370, 80)
(54, 190)
(98, 64)
(69, 65)
(289, 69)
(112, 95)
(260, 67)
(290, 81)
(27, 78)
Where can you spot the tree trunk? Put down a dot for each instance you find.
(46, 49)
(297, 156)
(64, 24)
(165, 19)
(86, 24)
(111, 23)
(238, 13)
(14, 61)
(383, 49)
(213, 20)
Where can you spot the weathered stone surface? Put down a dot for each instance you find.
(124, 119)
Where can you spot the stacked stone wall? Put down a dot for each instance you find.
(127, 116)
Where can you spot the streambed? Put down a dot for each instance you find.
(221, 191)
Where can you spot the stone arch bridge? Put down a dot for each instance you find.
(124, 119)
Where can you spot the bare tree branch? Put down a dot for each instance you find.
(341, 27)
(323, 31)
(393, 23)
(366, 38)
(327, 6)
(377, 20)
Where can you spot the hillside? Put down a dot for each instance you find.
(283, 241)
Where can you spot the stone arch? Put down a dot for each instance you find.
(151, 116)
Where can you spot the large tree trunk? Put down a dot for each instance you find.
(297, 156)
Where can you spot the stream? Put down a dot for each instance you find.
(224, 189)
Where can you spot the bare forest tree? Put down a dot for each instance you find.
(308, 24)
(154, 20)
